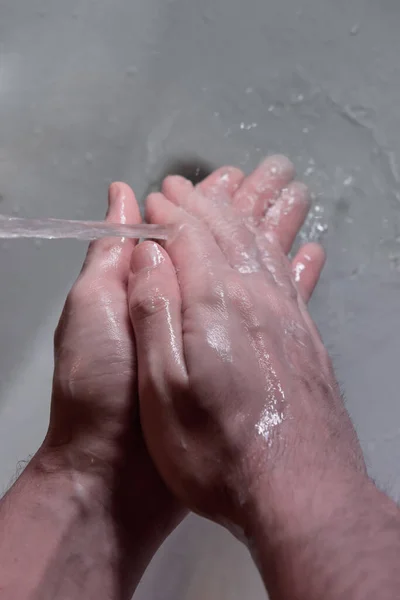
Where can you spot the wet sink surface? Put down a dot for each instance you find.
(95, 91)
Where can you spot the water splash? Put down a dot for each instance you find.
(314, 226)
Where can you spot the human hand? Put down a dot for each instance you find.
(94, 431)
(237, 391)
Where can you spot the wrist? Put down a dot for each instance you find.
(130, 494)
(62, 534)
(324, 542)
(292, 511)
(69, 467)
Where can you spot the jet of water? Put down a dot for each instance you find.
(52, 229)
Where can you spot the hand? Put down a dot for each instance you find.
(237, 391)
(94, 427)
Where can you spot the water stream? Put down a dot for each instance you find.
(51, 229)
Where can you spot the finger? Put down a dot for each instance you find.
(177, 189)
(224, 181)
(275, 262)
(194, 252)
(307, 267)
(155, 310)
(260, 189)
(114, 253)
(287, 215)
(224, 223)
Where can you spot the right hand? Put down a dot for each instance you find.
(237, 391)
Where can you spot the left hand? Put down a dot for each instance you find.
(94, 426)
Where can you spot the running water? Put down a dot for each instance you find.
(52, 229)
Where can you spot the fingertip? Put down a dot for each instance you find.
(227, 178)
(161, 211)
(278, 165)
(288, 213)
(113, 191)
(147, 255)
(297, 192)
(122, 204)
(307, 267)
(153, 206)
(264, 185)
(176, 187)
(313, 253)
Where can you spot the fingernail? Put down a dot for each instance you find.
(147, 255)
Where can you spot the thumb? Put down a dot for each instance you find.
(155, 310)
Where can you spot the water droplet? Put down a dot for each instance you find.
(271, 108)
(249, 90)
(38, 243)
(348, 181)
(249, 126)
(306, 130)
(89, 157)
(298, 271)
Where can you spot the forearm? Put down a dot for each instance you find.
(57, 537)
(343, 545)
(61, 536)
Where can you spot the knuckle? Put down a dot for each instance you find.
(145, 303)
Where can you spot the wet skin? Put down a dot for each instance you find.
(94, 419)
(232, 370)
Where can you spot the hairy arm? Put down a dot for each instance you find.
(58, 538)
(90, 510)
(341, 542)
(65, 532)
